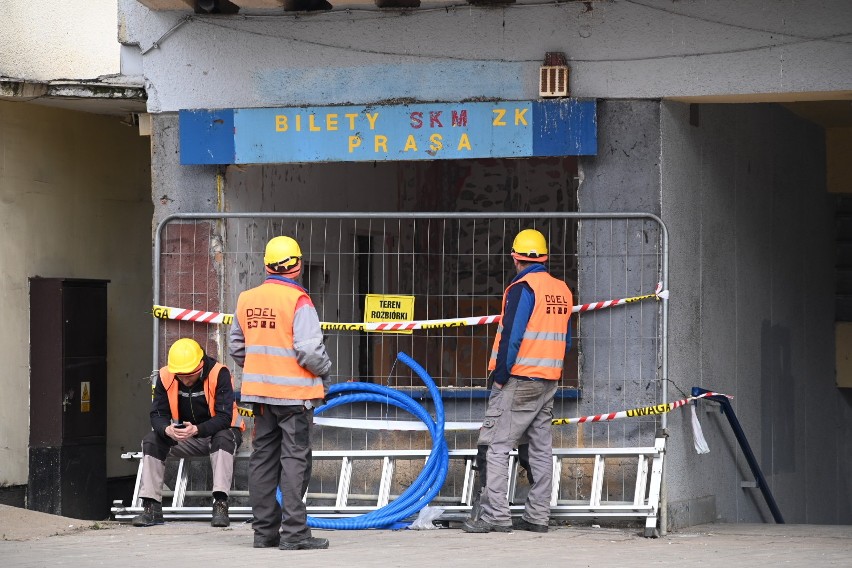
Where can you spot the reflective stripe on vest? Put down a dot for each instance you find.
(542, 350)
(210, 385)
(271, 368)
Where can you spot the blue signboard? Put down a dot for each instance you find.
(425, 131)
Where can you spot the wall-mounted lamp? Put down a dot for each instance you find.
(553, 75)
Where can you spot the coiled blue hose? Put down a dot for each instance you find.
(427, 485)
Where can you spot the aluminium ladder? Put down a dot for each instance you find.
(643, 507)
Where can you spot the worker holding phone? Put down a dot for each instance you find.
(193, 413)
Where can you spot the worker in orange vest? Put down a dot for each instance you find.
(193, 413)
(276, 338)
(526, 363)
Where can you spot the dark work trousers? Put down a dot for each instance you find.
(281, 457)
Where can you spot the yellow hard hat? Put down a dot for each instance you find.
(529, 245)
(282, 253)
(185, 356)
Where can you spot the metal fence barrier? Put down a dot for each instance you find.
(451, 265)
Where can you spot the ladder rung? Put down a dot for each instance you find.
(469, 482)
(597, 482)
(388, 467)
(343, 483)
(557, 479)
(513, 478)
(641, 481)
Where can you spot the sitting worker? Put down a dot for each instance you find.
(193, 413)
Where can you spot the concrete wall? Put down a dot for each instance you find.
(59, 39)
(74, 189)
(619, 348)
(649, 49)
(752, 258)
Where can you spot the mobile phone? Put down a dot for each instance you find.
(178, 425)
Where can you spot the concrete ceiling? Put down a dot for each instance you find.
(109, 96)
(828, 114)
(117, 97)
(111, 107)
(828, 109)
(234, 6)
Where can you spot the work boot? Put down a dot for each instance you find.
(524, 525)
(483, 526)
(152, 514)
(310, 543)
(220, 514)
(261, 541)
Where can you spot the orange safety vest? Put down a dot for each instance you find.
(210, 383)
(271, 369)
(542, 351)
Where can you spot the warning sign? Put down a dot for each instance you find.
(382, 308)
(85, 396)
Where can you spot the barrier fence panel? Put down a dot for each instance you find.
(437, 266)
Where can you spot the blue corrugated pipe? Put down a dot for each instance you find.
(421, 492)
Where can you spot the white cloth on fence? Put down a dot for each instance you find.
(698, 440)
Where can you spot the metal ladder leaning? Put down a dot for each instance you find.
(643, 507)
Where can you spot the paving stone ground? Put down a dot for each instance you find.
(31, 539)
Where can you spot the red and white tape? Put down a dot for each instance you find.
(406, 425)
(180, 314)
(635, 412)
